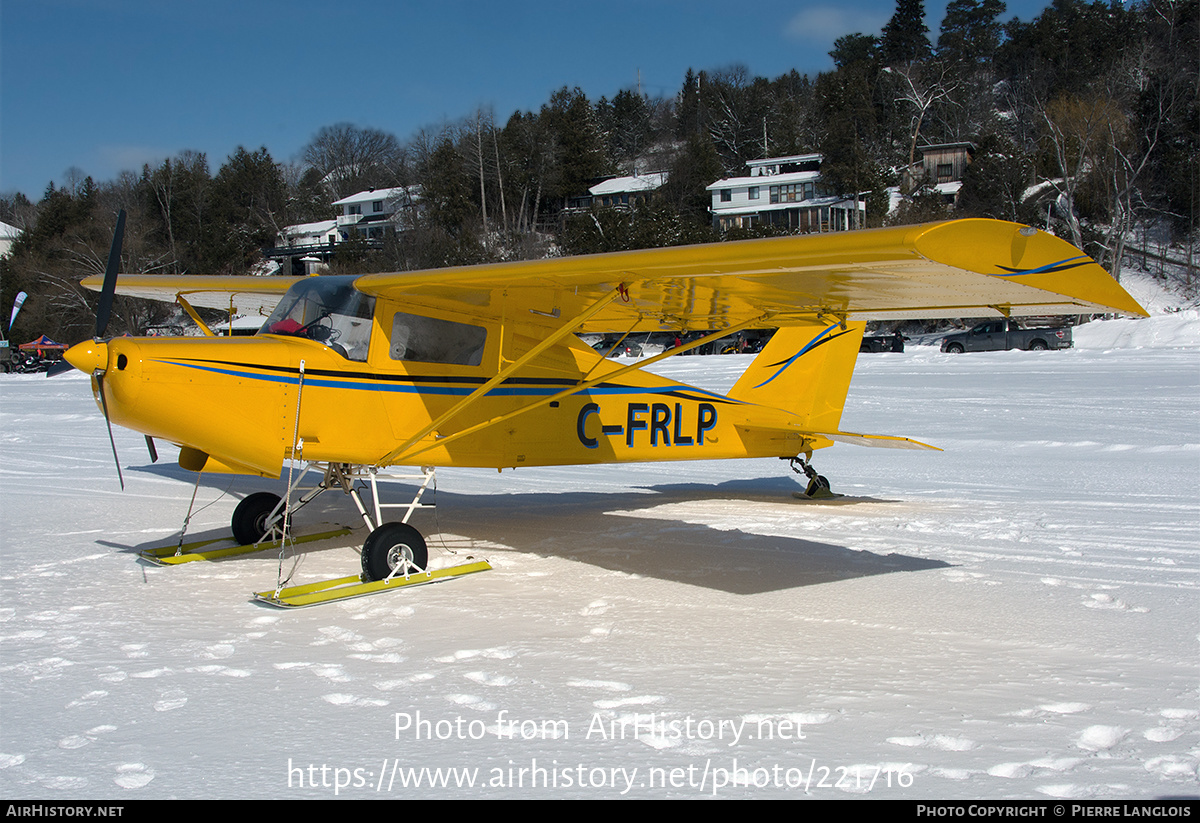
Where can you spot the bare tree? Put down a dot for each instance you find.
(921, 85)
(1076, 129)
(352, 159)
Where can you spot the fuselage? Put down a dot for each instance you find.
(240, 404)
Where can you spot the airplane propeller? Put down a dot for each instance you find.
(109, 290)
(94, 355)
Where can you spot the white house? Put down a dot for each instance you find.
(308, 236)
(619, 192)
(785, 192)
(8, 234)
(369, 213)
(625, 191)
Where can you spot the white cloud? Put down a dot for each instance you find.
(129, 157)
(824, 24)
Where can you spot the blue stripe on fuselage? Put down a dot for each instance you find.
(454, 391)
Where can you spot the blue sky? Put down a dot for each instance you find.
(107, 85)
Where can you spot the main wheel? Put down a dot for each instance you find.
(250, 517)
(393, 547)
(954, 348)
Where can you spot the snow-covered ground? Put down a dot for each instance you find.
(1017, 616)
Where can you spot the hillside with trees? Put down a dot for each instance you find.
(1084, 121)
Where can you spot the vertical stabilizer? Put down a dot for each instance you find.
(805, 370)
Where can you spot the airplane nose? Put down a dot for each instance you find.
(88, 356)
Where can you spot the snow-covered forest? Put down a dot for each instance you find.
(1083, 120)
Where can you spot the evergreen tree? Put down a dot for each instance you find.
(854, 48)
(308, 201)
(175, 197)
(1068, 47)
(970, 33)
(689, 116)
(905, 37)
(447, 189)
(850, 138)
(995, 182)
(247, 206)
(527, 151)
(579, 157)
(696, 166)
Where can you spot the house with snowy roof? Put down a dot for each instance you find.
(622, 192)
(628, 190)
(372, 212)
(8, 236)
(366, 217)
(786, 192)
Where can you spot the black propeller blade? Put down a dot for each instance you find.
(109, 290)
(99, 375)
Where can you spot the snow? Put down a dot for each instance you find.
(630, 183)
(1181, 329)
(1014, 617)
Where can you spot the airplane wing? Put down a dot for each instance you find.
(247, 295)
(962, 268)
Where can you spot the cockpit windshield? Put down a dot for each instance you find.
(326, 309)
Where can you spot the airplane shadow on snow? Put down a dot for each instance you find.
(608, 530)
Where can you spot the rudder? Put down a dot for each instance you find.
(805, 370)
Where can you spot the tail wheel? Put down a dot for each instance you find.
(393, 548)
(250, 517)
(818, 487)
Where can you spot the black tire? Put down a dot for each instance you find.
(816, 486)
(250, 517)
(954, 348)
(387, 546)
(1038, 345)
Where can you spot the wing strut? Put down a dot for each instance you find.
(192, 313)
(564, 330)
(587, 384)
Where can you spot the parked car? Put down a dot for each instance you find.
(1004, 335)
(883, 342)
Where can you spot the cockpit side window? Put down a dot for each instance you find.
(328, 310)
(429, 340)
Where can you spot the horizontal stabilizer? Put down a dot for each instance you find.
(877, 441)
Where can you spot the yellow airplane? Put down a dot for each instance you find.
(482, 366)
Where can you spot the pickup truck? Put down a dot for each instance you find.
(1004, 335)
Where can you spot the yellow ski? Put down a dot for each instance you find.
(344, 588)
(173, 555)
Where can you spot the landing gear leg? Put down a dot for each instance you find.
(394, 555)
(261, 516)
(392, 548)
(818, 486)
